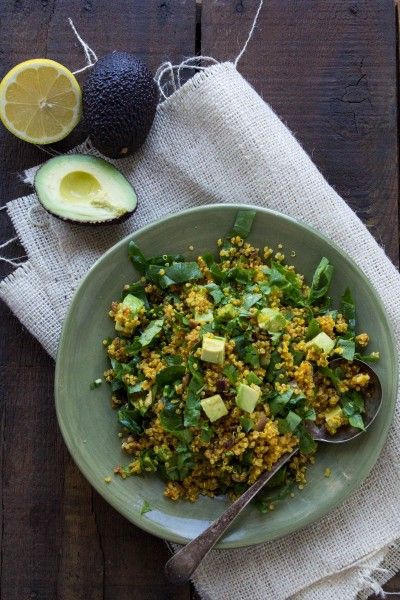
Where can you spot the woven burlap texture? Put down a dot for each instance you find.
(216, 140)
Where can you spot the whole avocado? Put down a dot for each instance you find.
(119, 103)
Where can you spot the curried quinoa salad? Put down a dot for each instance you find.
(218, 364)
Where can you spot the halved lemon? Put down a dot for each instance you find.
(40, 101)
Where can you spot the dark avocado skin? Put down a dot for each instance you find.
(119, 103)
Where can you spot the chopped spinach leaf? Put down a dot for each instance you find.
(356, 420)
(137, 290)
(145, 508)
(313, 329)
(251, 356)
(131, 419)
(137, 258)
(246, 423)
(321, 281)
(172, 422)
(206, 432)
(307, 445)
(179, 465)
(252, 378)
(215, 292)
(152, 330)
(232, 374)
(348, 309)
(250, 299)
(172, 360)
(373, 357)
(192, 404)
(95, 384)
(348, 347)
(170, 374)
(243, 223)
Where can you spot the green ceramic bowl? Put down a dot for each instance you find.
(89, 425)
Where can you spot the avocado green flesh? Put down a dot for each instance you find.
(84, 189)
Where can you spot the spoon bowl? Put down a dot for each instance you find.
(372, 402)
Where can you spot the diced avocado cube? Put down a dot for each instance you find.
(323, 342)
(334, 419)
(205, 317)
(133, 303)
(213, 350)
(227, 312)
(214, 407)
(247, 397)
(271, 319)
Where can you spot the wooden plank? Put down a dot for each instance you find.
(328, 68)
(59, 539)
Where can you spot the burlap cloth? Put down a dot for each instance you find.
(216, 140)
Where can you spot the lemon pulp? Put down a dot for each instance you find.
(40, 101)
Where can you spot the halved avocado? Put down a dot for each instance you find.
(84, 189)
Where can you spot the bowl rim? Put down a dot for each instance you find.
(157, 529)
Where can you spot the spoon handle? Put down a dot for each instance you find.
(182, 565)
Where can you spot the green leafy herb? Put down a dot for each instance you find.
(243, 223)
(373, 357)
(183, 272)
(134, 389)
(321, 281)
(348, 309)
(179, 465)
(252, 378)
(172, 422)
(250, 299)
(152, 330)
(251, 356)
(313, 329)
(333, 374)
(206, 432)
(131, 419)
(352, 402)
(95, 384)
(242, 276)
(307, 444)
(192, 405)
(231, 373)
(170, 374)
(172, 359)
(279, 402)
(137, 258)
(293, 420)
(148, 461)
(145, 508)
(356, 420)
(246, 423)
(298, 356)
(281, 277)
(348, 347)
(215, 292)
(309, 414)
(137, 290)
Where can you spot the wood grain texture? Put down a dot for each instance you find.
(60, 540)
(328, 68)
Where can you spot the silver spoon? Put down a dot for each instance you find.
(183, 564)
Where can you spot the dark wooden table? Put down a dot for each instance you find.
(329, 69)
